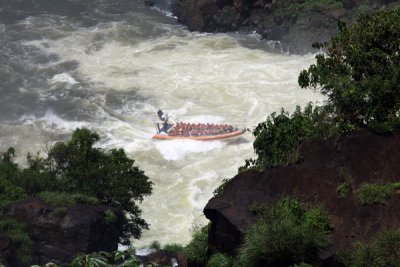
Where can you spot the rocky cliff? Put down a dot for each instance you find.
(296, 24)
(365, 156)
(60, 233)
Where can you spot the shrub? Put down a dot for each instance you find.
(382, 251)
(109, 216)
(57, 198)
(220, 189)
(220, 260)
(289, 232)
(279, 136)
(396, 185)
(345, 187)
(173, 247)
(388, 244)
(196, 250)
(369, 194)
(257, 208)
(85, 199)
(155, 245)
(104, 259)
(66, 199)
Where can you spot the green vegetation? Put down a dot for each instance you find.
(155, 245)
(382, 251)
(196, 250)
(279, 136)
(9, 193)
(18, 232)
(74, 172)
(220, 189)
(360, 72)
(173, 247)
(66, 199)
(220, 260)
(110, 176)
(289, 232)
(109, 216)
(103, 259)
(396, 185)
(345, 186)
(369, 194)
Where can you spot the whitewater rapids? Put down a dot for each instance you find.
(112, 67)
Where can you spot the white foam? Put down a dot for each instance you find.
(195, 78)
(55, 122)
(178, 149)
(198, 186)
(27, 118)
(64, 78)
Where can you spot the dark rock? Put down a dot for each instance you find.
(261, 16)
(28, 209)
(366, 156)
(8, 256)
(60, 236)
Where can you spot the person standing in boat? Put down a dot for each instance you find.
(165, 121)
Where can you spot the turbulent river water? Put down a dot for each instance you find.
(109, 66)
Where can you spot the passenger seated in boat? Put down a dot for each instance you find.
(165, 121)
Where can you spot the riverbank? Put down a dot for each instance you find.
(295, 24)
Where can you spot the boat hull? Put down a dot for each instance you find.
(201, 138)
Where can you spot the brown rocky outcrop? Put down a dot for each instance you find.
(366, 157)
(296, 24)
(60, 233)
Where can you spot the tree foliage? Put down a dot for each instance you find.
(359, 71)
(288, 232)
(278, 137)
(111, 176)
(81, 171)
